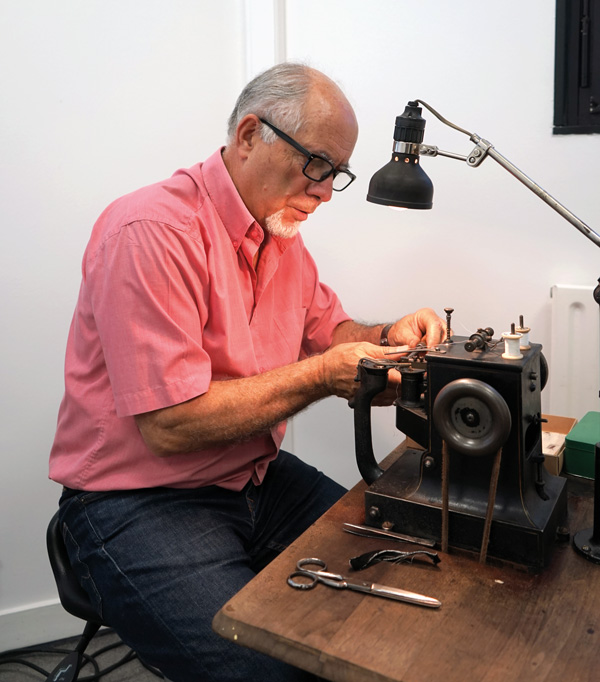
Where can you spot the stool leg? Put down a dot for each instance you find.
(68, 669)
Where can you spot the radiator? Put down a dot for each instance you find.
(574, 351)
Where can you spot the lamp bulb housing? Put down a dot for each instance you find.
(410, 126)
(402, 182)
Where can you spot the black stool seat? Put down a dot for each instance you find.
(74, 600)
(72, 596)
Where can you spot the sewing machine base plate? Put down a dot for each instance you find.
(404, 501)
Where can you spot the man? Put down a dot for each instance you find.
(201, 326)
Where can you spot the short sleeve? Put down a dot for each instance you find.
(147, 285)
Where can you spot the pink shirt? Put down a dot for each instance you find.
(169, 302)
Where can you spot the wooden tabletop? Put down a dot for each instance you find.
(496, 624)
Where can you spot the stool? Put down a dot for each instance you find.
(74, 599)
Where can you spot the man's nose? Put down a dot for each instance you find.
(323, 190)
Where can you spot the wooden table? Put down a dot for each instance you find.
(496, 624)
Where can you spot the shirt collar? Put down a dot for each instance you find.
(224, 196)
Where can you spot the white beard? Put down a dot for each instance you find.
(277, 228)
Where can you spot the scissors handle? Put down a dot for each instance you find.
(322, 571)
(312, 576)
(308, 584)
(310, 561)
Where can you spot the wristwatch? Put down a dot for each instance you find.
(383, 340)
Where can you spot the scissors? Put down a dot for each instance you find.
(321, 575)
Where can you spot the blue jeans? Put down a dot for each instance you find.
(159, 563)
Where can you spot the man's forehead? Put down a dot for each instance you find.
(332, 136)
(330, 142)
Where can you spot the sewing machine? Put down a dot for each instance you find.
(477, 482)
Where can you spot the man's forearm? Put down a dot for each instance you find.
(235, 410)
(351, 331)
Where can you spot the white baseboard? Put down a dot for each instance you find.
(44, 622)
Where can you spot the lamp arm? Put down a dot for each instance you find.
(484, 148)
(428, 150)
(541, 193)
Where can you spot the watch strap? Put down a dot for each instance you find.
(383, 340)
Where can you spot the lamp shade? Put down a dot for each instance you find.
(402, 182)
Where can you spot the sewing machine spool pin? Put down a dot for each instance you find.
(448, 312)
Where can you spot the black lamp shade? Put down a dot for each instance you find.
(402, 183)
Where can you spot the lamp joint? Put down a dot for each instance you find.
(479, 152)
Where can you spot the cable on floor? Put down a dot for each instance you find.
(21, 656)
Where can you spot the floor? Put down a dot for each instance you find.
(106, 649)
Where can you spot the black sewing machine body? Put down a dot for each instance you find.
(472, 404)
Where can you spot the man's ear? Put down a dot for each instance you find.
(248, 133)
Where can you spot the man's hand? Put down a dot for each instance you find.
(422, 326)
(340, 369)
(340, 361)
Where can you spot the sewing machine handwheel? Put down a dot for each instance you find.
(543, 371)
(472, 417)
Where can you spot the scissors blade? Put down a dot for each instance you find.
(405, 595)
(395, 593)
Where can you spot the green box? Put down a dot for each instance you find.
(581, 446)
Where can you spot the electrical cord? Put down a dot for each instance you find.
(21, 656)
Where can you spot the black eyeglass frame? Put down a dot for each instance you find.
(310, 156)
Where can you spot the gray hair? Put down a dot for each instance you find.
(277, 95)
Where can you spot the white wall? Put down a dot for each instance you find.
(489, 248)
(98, 98)
(102, 97)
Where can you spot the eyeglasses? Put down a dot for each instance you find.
(316, 167)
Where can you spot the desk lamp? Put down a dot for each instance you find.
(402, 183)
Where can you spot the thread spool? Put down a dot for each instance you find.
(512, 346)
(524, 331)
(524, 343)
(411, 388)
